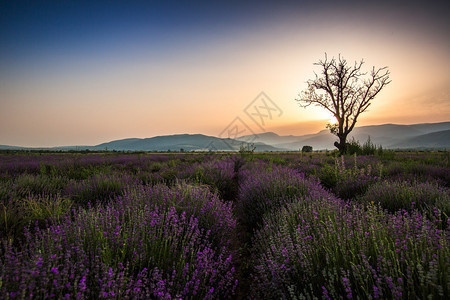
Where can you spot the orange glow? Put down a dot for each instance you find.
(204, 86)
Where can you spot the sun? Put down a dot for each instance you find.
(332, 120)
(321, 114)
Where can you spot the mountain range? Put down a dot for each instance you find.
(390, 136)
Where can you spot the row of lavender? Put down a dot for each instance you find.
(309, 243)
(164, 226)
(34, 188)
(116, 226)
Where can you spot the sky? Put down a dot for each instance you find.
(87, 72)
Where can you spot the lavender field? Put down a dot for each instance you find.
(219, 226)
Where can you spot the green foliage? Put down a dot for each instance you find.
(6, 192)
(368, 148)
(353, 147)
(155, 167)
(333, 128)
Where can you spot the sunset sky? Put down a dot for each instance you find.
(82, 73)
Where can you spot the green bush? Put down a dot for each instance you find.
(368, 148)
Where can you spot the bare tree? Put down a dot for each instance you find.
(345, 91)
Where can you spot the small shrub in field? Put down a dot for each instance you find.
(307, 149)
(247, 151)
(368, 148)
(30, 198)
(325, 248)
(155, 167)
(353, 147)
(404, 195)
(351, 185)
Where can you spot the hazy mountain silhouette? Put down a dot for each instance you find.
(187, 142)
(270, 138)
(427, 135)
(6, 147)
(417, 136)
(440, 139)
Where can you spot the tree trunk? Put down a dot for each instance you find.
(342, 144)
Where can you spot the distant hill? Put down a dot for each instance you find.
(434, 140)
(270, 138)
(322, 140)
(187, 142)
(390, 136)
(6, 147)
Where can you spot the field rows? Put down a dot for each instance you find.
(218, 226)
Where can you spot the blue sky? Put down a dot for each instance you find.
(82, 72)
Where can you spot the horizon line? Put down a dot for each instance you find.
(207, 135)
